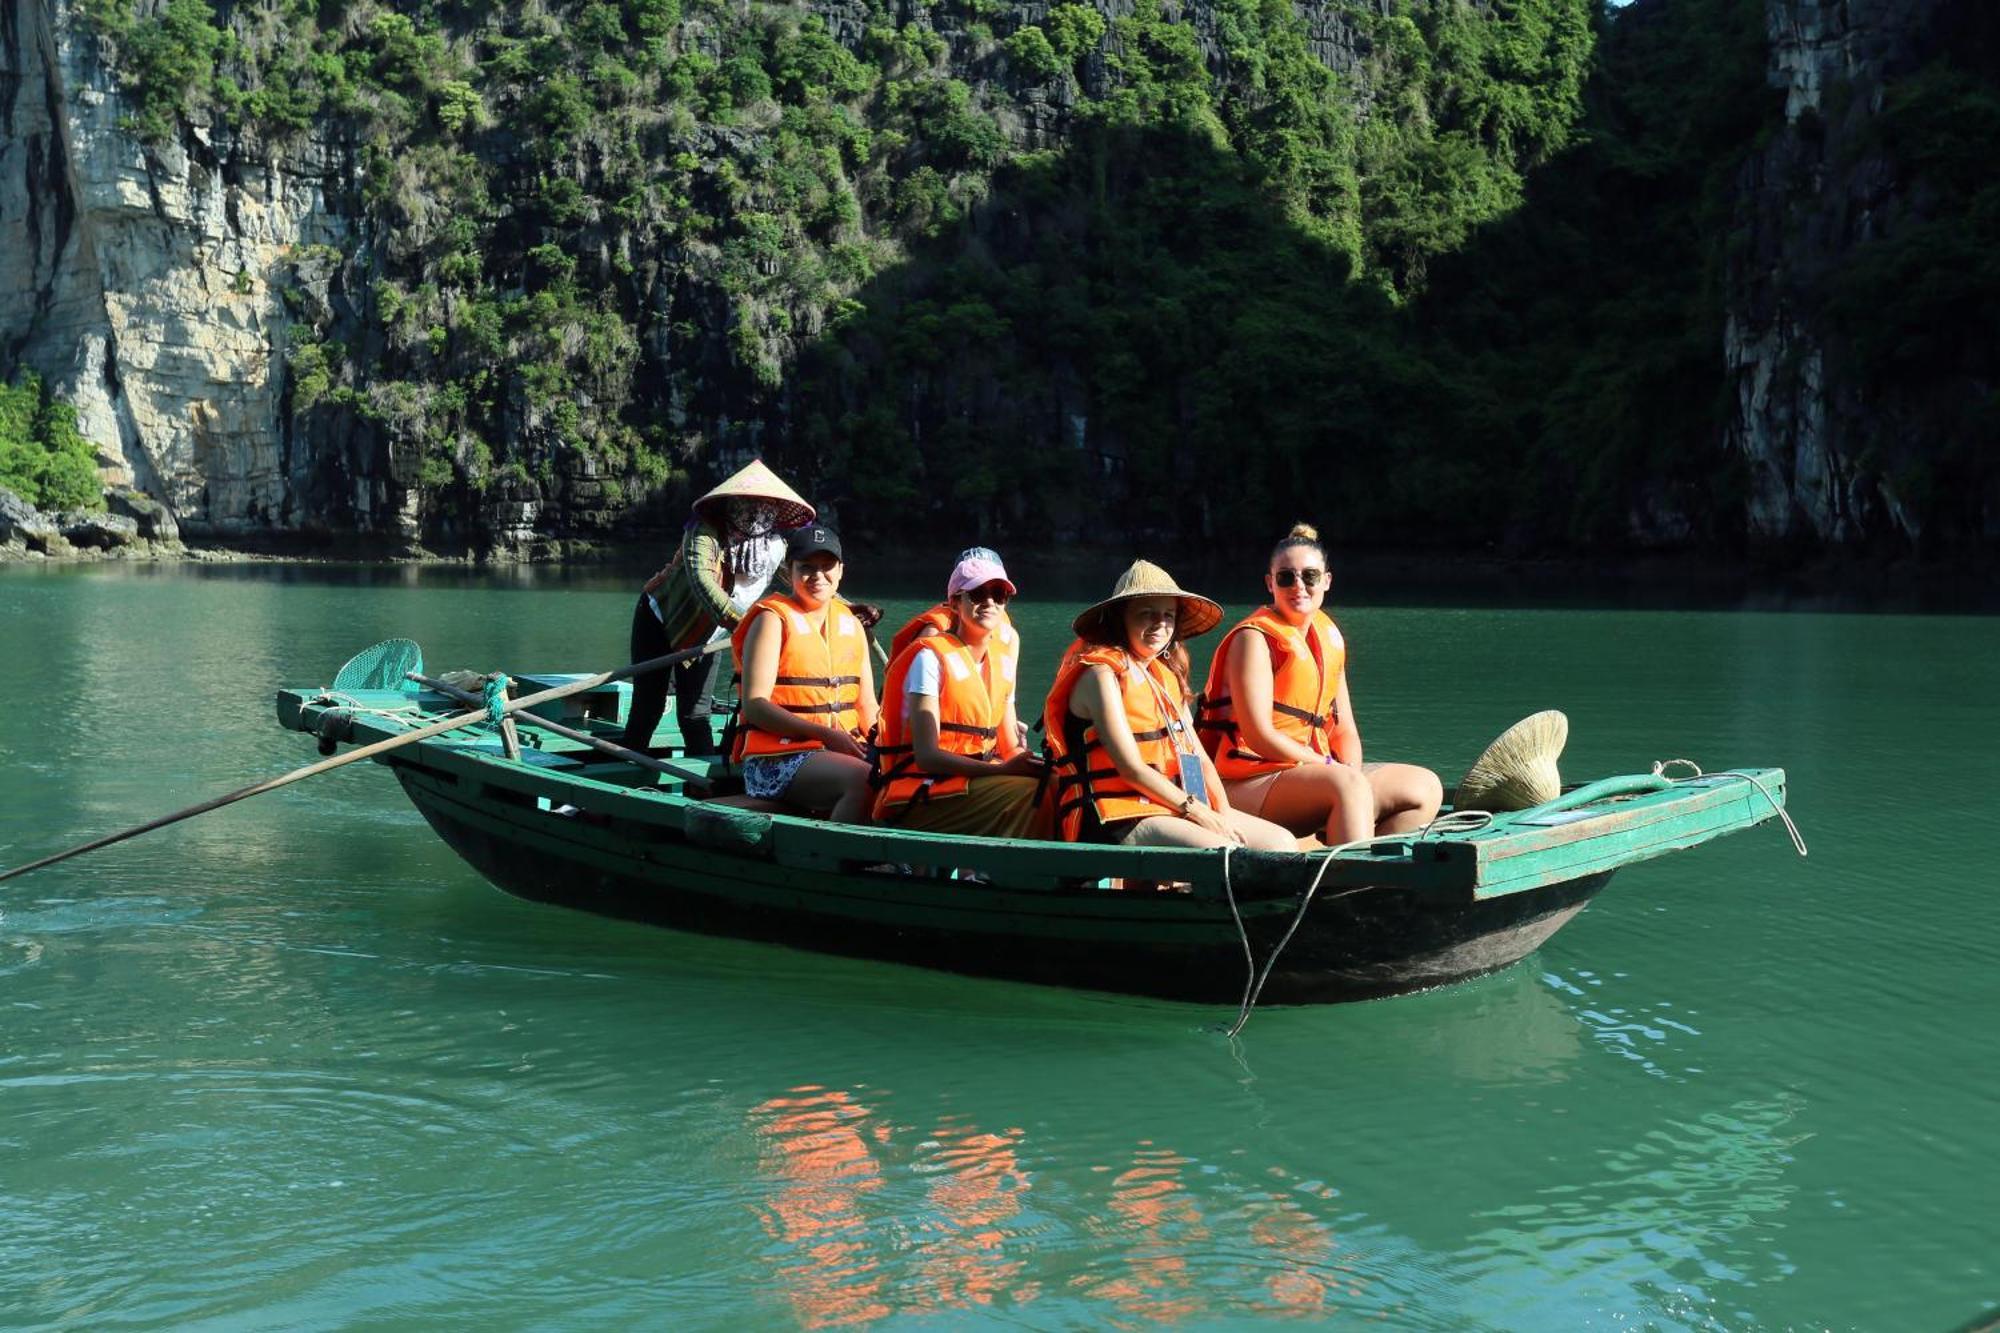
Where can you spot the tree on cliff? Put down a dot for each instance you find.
(42, 458)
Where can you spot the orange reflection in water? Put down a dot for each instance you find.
(1302, 1244)
(1159, 1221)
(977, 1192)
(818, 1140)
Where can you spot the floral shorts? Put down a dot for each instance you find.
(767, 776)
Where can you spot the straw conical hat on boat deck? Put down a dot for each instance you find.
(1518, 769)
(754, 481)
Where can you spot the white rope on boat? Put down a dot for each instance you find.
(333, 699)
(1660, 767)
(1457, 821)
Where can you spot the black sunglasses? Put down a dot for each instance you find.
(1285, 578)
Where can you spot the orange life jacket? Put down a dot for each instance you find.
(1004, 645)
(1090, 792)
(1306, 662)
(819, 673)
(972, 711)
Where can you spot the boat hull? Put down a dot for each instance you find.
(1355, 943)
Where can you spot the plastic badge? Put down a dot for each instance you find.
(1193, 781)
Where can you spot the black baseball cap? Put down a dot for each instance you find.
(811, 540)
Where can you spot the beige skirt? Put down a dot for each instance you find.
(998, 807)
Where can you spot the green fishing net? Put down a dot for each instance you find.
(382, 667)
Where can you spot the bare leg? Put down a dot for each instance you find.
(1173, 831)
(1406, 797)
(833, 782)
(756, 803)
(1334, 801)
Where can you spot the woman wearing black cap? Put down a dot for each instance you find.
(808, 689)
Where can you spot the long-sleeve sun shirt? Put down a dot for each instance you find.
(691, 595)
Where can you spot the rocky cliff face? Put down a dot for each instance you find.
(1827, 448)
(164, 288)
(138, 281)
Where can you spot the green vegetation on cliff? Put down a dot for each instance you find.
(610, 237)
(42, 458)
(1429, 270)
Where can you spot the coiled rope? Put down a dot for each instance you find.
(330, 698)
(495, 694)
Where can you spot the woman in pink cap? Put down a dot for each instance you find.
(949, 757)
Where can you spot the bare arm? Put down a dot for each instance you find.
(868, 708)
(1348, 726)
(1250, 684)
(1009, 742)
(1217, 793)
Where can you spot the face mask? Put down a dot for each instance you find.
(753, 518)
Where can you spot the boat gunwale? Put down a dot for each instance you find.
(1461, 866)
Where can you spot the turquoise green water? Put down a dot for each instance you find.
(292, 1065)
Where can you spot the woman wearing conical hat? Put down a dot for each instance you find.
(1276, 718)
(734, 541)
(1126, 765)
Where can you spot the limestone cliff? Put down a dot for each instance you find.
(518, 284)
(1839, 456)
(138, 280)
(251, 324)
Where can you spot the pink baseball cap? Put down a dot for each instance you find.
(976, 572)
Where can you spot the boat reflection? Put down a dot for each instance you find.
(975, 1197)
(1154, 1222)
(870, 1220)
(818, 1143)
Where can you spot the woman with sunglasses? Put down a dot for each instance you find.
(1004, 643)
(1276, 717)
(949, 757)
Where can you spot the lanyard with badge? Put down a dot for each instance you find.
(1193, 780)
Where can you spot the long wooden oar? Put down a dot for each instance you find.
(598, 743)
(369, 752)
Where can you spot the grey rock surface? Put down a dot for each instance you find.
(24, 526)
(98, 532)
(155, 521)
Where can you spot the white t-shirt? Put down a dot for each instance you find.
(923, 675)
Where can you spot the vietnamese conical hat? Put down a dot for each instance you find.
(1198, 615)
(754, 481)
(1519, 768)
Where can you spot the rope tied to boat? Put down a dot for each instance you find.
(1253, 983)
(495, 694)
(1660, 767)
(1457, 821)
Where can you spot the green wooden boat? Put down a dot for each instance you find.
(562, 824)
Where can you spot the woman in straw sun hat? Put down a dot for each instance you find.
(1276, 717)
(734, 541)
(1126, 765)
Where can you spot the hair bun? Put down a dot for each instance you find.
(1303, 532)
